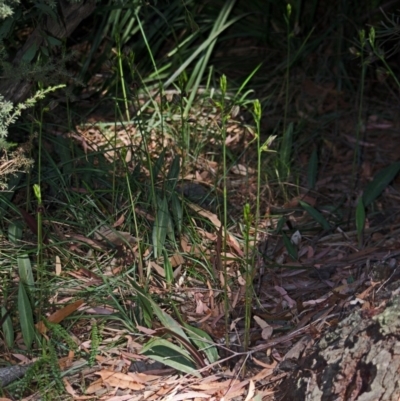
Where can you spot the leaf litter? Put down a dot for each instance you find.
(309, 274)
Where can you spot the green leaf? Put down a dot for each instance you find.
(170, 227)
(206, 47)
(167, 321)
(8, 329)
(44, 50)
(316, 215)
(161, 227)
(173, 173)
(281, 223)
(146, 309)
(25, 316)
(25, 270)
(47, 10)
(159, 164)
(14, 233)
(6, 196)
(312, 170)
(169, 274)
(30, 53)
(5, 27)
(382, 179)
(62, 148)
(203, 342)
(53, 41)
(177, 212)
(360, 220)
(290, 247)
(171, 355)
(257, 111)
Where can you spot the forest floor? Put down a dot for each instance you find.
(312, 266)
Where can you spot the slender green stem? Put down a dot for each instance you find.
(249, 260)
(122, 78)
(39, 217)
(135, 222)
(250, 220)
(223, 86)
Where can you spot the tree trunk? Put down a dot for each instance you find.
(360, 361)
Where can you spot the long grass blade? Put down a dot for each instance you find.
(25, 316)
(382, 179)
(316, 215)
(8, 330)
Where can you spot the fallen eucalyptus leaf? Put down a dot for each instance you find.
(116, 237)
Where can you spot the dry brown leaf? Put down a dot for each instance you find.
(291, 303)
(222, 278)
(120, 380)
(59, 315)
(241, 279)
(22, 358)
(99, 310)
(188, 396)
(231, 138)
(92, 243)
(176, 260)
(118, 238)
(201, 307)
(160, 270)
(66, 362)
(250, 394)
(146, 330)
(234, 322)
(232, 241)
(229, 257)
(366, 292)
(206, 213)
(120, 221)
(125, 397)
(185, 244)
(270, 366)
(95, 387)
(263, 374)
(212, 387)
(240, 169)
(235, 390)
(267, 330)
(58, 266)
(69, 389)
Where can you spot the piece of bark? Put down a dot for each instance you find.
(359, 361)
(71, 15)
